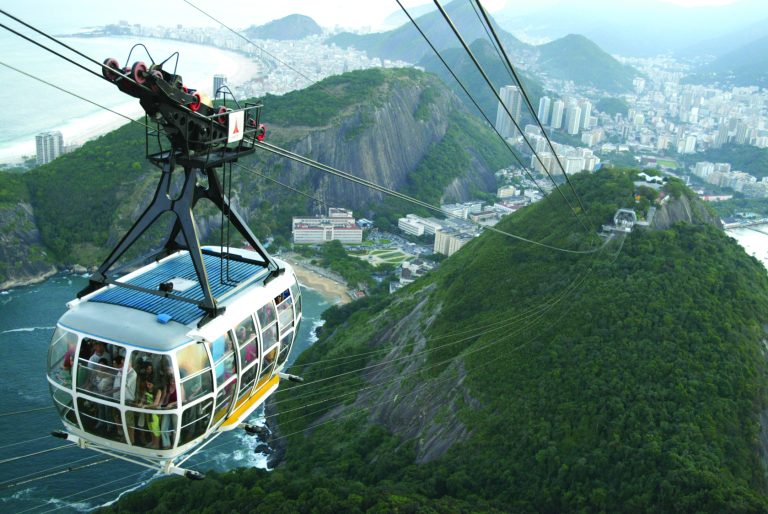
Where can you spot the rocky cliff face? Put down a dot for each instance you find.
(382, 140)
(674, 210)
(22, 257)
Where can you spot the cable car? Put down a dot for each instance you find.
(150, 365)
(133, 376)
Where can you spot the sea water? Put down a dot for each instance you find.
(27, 317)
(31, 107)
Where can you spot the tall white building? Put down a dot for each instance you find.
(573, 119)
(512, 99)
(544, 105)
(557, 114)
(586, 113)
(49, 146)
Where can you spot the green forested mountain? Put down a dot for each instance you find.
(465, 69)
(406, 44)
(520, 379)
(576, 58)
(397, 127)
(294, 26)
(744, 66)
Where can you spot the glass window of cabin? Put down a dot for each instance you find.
(61, 356)
(285, 348)
(246, 382)
(245, 332)
(195, 421)
(62, 400)
(100, 419)
(99, 369)
(269, 363)
(155, 369)
(268, 337)
(195, 372)
(285, 313)
(151, 429)
(266, 314)
(296, 294)
(224, 400)
(223, 353)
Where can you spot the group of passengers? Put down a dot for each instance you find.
(149, 384)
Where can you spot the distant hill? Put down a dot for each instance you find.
(463, 66)
(406, 44)
(729, 42)
(745, 66)
(579, 59)
(295, 26)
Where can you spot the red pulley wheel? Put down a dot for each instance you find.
(139, 72)
(195, 105)
(108, 70)
(222, 119)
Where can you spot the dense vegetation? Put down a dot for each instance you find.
(294, 26)
(332, 255)
(320, 103)
(612, 106)
(465, 69)
(576, 58)
(466, 140)
(627, 380)
(747, 158)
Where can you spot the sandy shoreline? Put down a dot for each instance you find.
(335, 292)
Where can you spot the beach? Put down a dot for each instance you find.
(332, 290)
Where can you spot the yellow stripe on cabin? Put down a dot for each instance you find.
(250, 402)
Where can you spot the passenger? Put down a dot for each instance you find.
(98, 354)
(102, 386)
(151, 400)
(64, 374)
(242, 335)
(116, 384)
(169, 402)
(130, 399)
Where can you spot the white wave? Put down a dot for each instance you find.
(6, 292)
(313, 333)
(24, 494)
(26, 329)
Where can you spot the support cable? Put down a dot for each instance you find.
(372, 185)
(528, 102)
(506, 108)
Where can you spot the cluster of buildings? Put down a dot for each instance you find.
(339, 225)
(666, 115)
(465, 220)
(719, 174)
(574, 159)
(311, 56)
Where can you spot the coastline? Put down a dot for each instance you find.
(334, 291)
(84, 123)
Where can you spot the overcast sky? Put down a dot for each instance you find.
(69, 15)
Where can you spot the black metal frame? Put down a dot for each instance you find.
(198, 147)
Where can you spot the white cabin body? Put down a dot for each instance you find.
(131, 373)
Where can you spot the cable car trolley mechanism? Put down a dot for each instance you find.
(150, 365)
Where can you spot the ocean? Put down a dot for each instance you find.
(32, 107)
(27, 317)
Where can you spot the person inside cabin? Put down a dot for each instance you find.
(98, 353)
(242, 335)
(64, 374)
(116, 384)
(131, 378)
(170, 400)
(102, 386)
(151, 400)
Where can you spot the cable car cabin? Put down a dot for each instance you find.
(132, 375)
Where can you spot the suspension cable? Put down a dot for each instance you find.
(502, 104)
(33, 454)
(372, 185)
(528, 102)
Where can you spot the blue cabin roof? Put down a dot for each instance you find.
(240, 274)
